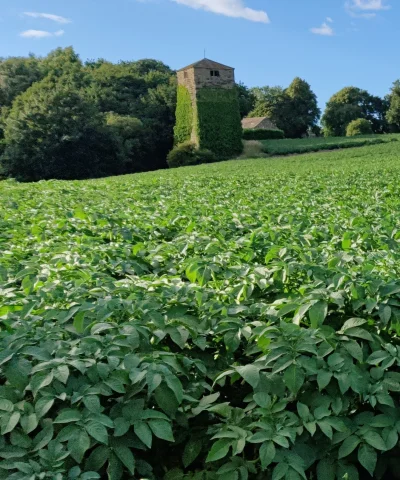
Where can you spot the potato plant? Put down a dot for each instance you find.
(233, 321)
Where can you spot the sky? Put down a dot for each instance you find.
(329, 43)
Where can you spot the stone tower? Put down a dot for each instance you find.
(208, 108)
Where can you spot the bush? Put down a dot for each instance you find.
(188, 154)
(361, 126)
(261, 134)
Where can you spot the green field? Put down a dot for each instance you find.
(233, 321)
(308, 145)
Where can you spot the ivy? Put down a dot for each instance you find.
(219, 125)
(184, 116)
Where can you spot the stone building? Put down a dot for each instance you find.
(213, 107)
(258, 123)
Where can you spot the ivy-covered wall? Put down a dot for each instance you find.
(219, 127)
(184, 116)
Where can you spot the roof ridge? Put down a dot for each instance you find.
(206, 63)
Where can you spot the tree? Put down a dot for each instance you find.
(393, 113)
(53, 131)
(129, 133)
(304, 108)
(247, 99)
(350, 104)
(294, 109)
(17, 74)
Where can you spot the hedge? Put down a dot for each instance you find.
(261, 134)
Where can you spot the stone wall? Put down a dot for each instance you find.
(204, 79)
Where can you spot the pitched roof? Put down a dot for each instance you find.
(206, 63)
(251, 123)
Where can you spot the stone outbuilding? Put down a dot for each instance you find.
(258, 123)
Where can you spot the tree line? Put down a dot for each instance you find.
(62, 118)
(67, 119)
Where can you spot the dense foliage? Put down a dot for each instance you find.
(53, 131)
(294, 109)
(361, 126)
(294, 146)
(262, 134)
(247, 99)
(350, 104)
(225, 322)
(184, 116)
(218, 121)
(144, 90)
(393, 113)
(187, 153)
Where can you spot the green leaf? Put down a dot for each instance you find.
(166, 400)
(43, 438)
(318, 313)
(126, 457)
(368, 458)
(375, 440)
(191, 451)
(267, 454)
(326, 470)
(355, 350)
(353, 322)
(324, 378)
(97, 431)
(348, 446)
(78, 445)
(29, 423)
(68, 415)
(162, 429)
(219, 450)
(250, 373)
(280, 471)
(115, 469)
(43, 406)
(143, 431)
(9, 422)
(97, 458)
(41, 380)
(303, 411)
(92, 403)
(6, 405)
(79, 324)
(377, 357)
(294, 378)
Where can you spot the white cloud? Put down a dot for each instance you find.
(41, 34)
(48, 16)
(329, 19)
(229, 8)
(365, 8)
(324, 29)
(369, 5)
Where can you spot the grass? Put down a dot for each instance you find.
(308, 145)
(139, 317)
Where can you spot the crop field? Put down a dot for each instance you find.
(309, 145)
(233, 321)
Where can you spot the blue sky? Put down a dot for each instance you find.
(329, 43)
